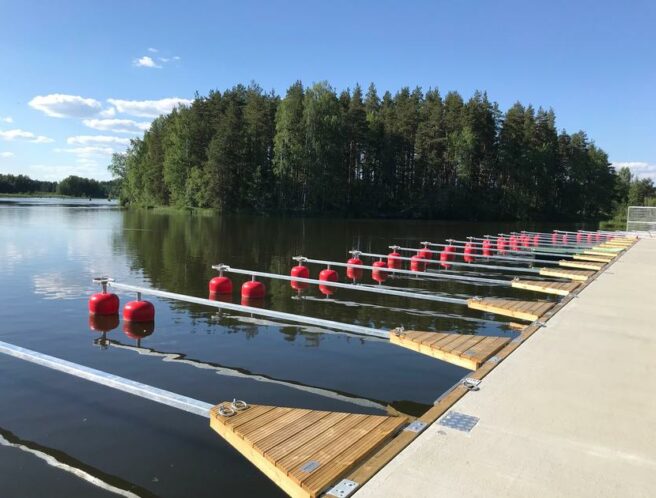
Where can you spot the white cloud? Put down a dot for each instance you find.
(58, 105)
(16, 134)
(110, 112)
(148, 108)
(639, 169)
(117, 125)
(164, 59)
(51, 172)
(146, 61)
(96, 139)
(176, 58)
(153, 50)
(6, 154)
(7, 119)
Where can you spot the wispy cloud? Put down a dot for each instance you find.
(88, 151)
(7, 119)
(7, 154)
(153, 50)
(17, 134)
(97, 139)
(639, 169)
(117, 125)
(59, 105)
(146, 61)
(148, 108)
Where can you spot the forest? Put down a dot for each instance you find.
(71, 186)
(412, 154)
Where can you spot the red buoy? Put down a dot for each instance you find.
(444, 257)
(425, 253)
(416, 264)
(220, 285)
(328, 275)
(590, 238)
(139, 311)
(135, 330)
(224, 298)
(393, 260)
(299, 271)
(253, 302)
(253, 289)
(501, 245)
(451, 251)
(487, 248)
(565, 239)
(379, 275)
(354, 273)
(536, 240)
(513, 243)
(103, 303)
(103, 323)
(554, 239)
(579, 238)
(469, 252)
(525, 240)
(598, 237)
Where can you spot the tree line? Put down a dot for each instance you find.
(73, 186)
(411, 154)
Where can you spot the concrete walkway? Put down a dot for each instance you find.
(571, 413)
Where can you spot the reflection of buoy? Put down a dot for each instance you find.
(253, 289)
(220, 285)
(103, 323)
(138, 330)
(139, 311)
(328, 275)
(379, 275)
(252, 301)
(299, 271)
(444, 257)
(103, 303)
(224, 298)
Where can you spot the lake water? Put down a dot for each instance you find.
(52, 424)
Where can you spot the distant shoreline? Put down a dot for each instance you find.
(48, 195)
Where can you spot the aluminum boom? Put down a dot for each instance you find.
(364, 288)
(329, 324)
(478, 256)
(462, 278)
(109, 380)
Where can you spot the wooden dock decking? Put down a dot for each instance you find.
(580, 275)
(592, 258)
(468, 351)
(581, 265)
(303, 451)
(523, 310)
(546, 286)
(608, 255)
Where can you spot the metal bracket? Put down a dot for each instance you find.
(471, 384)
(343, 488)
(300, 259)
(310, 465)
(394, 247)
(416, 426)
(494, 359)
(355, 253)
(399, 331)
(517, 339)
(540, 323)
(221, 267)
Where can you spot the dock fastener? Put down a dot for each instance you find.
(343, 488)
(416, 426)
(471, 384)
(399, 331)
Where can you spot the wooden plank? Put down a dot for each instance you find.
(580, 265)
(507, 307)
(588, 257)
(608, 255)
(463, 350)
(311, 449)
(580, 275)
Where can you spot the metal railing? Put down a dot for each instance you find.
(641, 219)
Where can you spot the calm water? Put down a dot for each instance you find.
(51, 249)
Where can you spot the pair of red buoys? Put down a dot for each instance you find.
(377, 273)
(501, 245)
(252, 289)
(469, 252)
(328, 275)
(107, 304)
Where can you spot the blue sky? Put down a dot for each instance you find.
(79, 78)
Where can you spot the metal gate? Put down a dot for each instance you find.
(641, 219)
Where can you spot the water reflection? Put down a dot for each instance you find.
(64, 462)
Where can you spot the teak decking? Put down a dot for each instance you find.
(468, 351)
(304, 451)
(524, 310)
(546, 286)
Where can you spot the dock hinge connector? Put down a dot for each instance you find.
(471, 384)
(343, 488)
(416, 426)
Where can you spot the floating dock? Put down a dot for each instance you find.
(546, 286)
(523, 310)
(468, 351)
(303, 451)
(563, 415)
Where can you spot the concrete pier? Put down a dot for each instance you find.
(570, 413)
